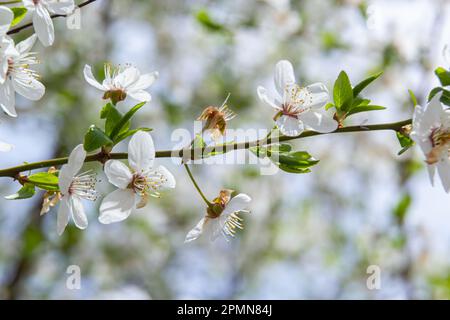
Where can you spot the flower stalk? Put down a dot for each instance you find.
(208, 203)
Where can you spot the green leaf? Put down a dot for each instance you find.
(402, 207)
(443, 75)
(285, 159)
(445, 97)
(342, 92)
(205, 20)
(19, 14)
(413, 97)
(128, 133)
(329, 105)
(405, 142)
(27, 191)
(363, 84)
(95, 138)
(364, 108)
(44, 180)
(112, 116)
(123, 124)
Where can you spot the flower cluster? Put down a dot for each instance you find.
(15, 72)
(16, 60)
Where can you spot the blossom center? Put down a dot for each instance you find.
(296, 100)
(147, 184)
(83, 186)
(20, 67)
(440, 141)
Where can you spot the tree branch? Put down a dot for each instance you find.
(191, 153)
(30, 24)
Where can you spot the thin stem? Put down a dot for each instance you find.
(9, 2)
(395, 126)
(208, 203)
(28, 25)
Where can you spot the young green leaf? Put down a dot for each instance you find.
(405, 142)
(205, 20)
(19, 14)
(342, 92)
(112, 116)
(45, 181)
(443, 75)
(124, 122)
(95, 138)
(27, 191)
(363, 84)
(363, 108)
(128, 133)
(413, 97)
(285, 159)
(445, 97)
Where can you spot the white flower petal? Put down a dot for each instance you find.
(117, 206)
(319, 95)
(63, 215)
(140, 95)
(76, 159)
(26, 45)
(168, 180)
(65, 179)
(431, 168)
(29, 4)
(87, 71)
(60, 6)
(215, 227)
(262, 94)
(127, 77)
(6, 17)
(289, 126)
(144, 81)
(8, 98)
(5, 147)
(141, 151)
(443, 168)
(29, 87)
(237, 203)
(78, 214)
(43, 25)
(284, 76)
(196, 231)
(318, 122)
(118, 173)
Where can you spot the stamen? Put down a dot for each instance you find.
(148, 184)
(83, 186)
(232, 223)
(440, 141)
(298, 101)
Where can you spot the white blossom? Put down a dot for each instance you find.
(16, 75)
(122, 82)
(74, 187)
(135, 183)
(42, 22)
(297, 107)
(431, 131)
(223, 218)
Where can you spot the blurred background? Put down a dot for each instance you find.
(308, 236)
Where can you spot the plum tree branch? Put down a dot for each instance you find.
(53, 16)
(192, 153)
